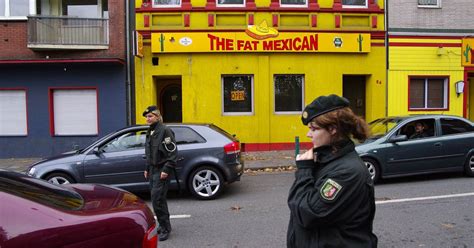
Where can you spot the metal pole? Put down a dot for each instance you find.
(297, 145)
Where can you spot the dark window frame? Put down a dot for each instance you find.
(225, 94)
(275, 95)
(426, 88)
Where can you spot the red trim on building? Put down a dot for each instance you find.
(146, 21)
(275, 20)
(210, 5)
(337, 5)
(466, 89)
(377, 44)
(186, 20)
(424, 77)
(374, 21)
(379, 35)
(186, 5)
(210, 20)
(313, 5)
(413, 44)
(46, 61)
(314, 21)
(51, 106)
(337, 21)
(425, 37)
(274, 6)
(250, 20)
(250, 5)
(255, 147)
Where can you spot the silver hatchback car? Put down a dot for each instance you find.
(208, 158)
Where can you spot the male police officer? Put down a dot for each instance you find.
(161, 154)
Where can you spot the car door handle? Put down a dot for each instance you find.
(181, 158)
(144, 156)
(438, 144)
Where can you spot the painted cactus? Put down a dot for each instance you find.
(360, 39)
(466, 52)
(162, 42)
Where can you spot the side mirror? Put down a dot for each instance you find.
(398, 138)
(96, 151)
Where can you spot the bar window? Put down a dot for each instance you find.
(288, 92)
(237, 94)
(13, 118)
(429, 3)
(293, 3)
(230, 3)
(428, 93)
(354, 3)
(166, 3)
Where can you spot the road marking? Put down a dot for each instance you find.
(424, 198)
(179, 216)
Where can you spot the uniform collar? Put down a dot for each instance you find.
(328, 153)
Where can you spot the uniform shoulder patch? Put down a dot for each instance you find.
(330, 189)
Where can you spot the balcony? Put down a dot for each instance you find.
(62, 32)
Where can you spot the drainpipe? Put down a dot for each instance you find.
(128, 69)
(386, 56)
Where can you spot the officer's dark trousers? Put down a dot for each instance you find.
(159, 189)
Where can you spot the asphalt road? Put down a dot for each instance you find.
(427, 211)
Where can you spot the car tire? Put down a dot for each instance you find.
(469, 166)
(59, 178)
(373, 167)
(205, 183)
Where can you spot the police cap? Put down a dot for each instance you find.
(322, 105)
(151, 109)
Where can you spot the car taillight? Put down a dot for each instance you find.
(151, 238)
(232, 148)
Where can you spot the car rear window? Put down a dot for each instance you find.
(39, 191)
(186, 135)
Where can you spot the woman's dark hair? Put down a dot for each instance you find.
(347, 124)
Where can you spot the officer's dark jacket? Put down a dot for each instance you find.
(316, 220)
(158, 152)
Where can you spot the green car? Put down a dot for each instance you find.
(419, 144)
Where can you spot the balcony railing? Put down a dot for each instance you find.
(62, 32)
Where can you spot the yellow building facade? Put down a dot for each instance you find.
(251, 67)
(426, 73)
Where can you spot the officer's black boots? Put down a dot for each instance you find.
(164, 235)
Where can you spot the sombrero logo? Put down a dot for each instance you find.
(261, 31)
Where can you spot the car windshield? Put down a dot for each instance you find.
(39, 191)
(380, 127)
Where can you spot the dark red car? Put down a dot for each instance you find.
(35, 213)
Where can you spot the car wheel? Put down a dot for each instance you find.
(59, 178)
(373, 168)
(469, 166)
(205, 183)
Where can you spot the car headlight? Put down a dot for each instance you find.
(31, 172)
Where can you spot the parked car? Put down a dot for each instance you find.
(35, 213)
(394, 150)
(208, 158)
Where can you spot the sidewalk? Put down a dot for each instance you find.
(253, 161)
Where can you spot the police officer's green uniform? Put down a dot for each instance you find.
(161, 154)
(332, 200)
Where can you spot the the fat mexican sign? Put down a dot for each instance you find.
(260, 38)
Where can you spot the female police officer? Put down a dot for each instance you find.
(332, 198)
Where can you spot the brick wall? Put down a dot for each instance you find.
(453, 14)
(13, 40)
